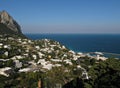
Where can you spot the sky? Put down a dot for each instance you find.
(65, 16)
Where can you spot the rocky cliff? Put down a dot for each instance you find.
(8, 25)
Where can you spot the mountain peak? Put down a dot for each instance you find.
(2, 12)
(9, 22)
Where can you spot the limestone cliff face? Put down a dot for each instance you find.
(8, 21)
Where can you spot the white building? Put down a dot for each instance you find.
(3, 71)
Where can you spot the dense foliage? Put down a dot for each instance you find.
(105, 74)
(20, 80)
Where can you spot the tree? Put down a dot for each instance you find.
(106, 74)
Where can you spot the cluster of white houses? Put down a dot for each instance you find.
(42, 58)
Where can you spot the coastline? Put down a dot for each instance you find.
(84, 42)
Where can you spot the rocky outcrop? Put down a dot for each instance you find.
(10, 25)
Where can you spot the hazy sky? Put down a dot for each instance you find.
(65, 16)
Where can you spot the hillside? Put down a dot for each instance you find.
(26, 63)
(23, 61)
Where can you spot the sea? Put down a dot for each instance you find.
(107, 43)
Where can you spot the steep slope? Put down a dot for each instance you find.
(8, 25)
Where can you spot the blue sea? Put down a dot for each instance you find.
(84, 42)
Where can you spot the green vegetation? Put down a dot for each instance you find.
(5, 30)
(105, 74)
(20, 80)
